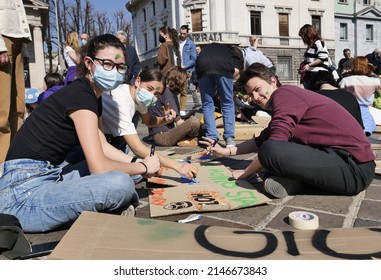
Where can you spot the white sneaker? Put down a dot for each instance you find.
(129, 212)
(182, 113)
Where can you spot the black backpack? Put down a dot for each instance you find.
(13, 242)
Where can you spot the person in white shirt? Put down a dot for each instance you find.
(119, 106)
(72, 56)
(252, 54)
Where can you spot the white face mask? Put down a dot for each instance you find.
(144, 100)
(107, 80)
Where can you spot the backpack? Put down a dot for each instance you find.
(13, 243)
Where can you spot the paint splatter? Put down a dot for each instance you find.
(117, 56)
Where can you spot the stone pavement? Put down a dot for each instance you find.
(362, 210)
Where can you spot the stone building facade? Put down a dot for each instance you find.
(37, 12)
(357, 26)
(277, 22)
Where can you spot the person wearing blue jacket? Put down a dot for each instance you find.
(188, 62)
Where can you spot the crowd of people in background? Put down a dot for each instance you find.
(91, 114)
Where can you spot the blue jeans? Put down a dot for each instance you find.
(367, 120)
(208, 85)
(44, 196)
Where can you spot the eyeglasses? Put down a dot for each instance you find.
(108, 65)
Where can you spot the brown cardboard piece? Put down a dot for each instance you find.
(97, 236)
(245, 131)
(214, 190)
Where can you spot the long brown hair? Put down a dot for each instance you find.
(309, 34)
(172, 33)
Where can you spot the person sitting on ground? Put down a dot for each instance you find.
(302, 146)
(42, 194)
(345, 64)
(374, 59)
(252, 54)
(52, 83)
(325, 84)
(31, 97)
(120, 104)
(180, 132)
(362, 84)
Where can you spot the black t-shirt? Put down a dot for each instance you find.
(49, 133)
(217, 59)
(345, 99)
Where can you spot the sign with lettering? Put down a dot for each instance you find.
(213, 190)
(100, 236)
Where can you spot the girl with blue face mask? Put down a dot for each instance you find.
(120, 107)
(58, 193)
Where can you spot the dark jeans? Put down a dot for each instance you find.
(328, 169)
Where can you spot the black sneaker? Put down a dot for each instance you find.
(281, 187)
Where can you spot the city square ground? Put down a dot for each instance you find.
(362, 210)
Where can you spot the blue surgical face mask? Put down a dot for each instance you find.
(144, 99)
(83, 42)
(107, 80)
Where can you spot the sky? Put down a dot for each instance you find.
(110, 6)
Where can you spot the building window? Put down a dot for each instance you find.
(155, 35)
(165, 4)
(144, 15)
(284, 69)
(145, 42)
(153, 8)
(283, 25)
(196, 20)
(366, 2)
(369, 32)
(343, 1)
(343, 31)
(316, 22)
(255, 23)
(284, 29)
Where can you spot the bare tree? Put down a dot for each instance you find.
(121, 23)
(80, 16)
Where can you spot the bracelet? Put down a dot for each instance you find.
(134, 159)
(145, 167)
(230, 151)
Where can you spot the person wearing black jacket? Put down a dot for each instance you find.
(216, 66)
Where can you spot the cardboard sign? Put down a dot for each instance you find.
(214, 190)
(97, 236)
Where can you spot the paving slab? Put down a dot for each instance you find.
(334, 211)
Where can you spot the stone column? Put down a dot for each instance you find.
(228, 15)
(37, 69)
(213, 15)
